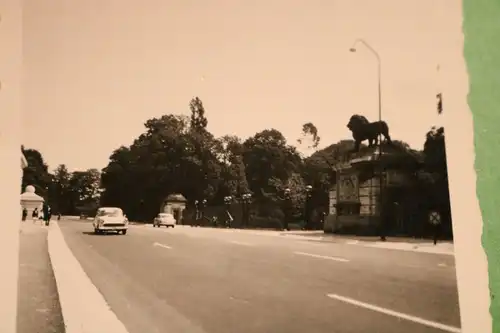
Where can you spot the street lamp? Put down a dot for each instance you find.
(202, 210)
(245, 201)
(379, 74)
(379, 65)
(229, 218)
(197, 213)
(307, 208)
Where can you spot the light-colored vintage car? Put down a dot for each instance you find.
(165, 219)
(110, 219)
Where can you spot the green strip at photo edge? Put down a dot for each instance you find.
(481, 27)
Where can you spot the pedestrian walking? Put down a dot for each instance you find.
(34, 215)
(41, 217)
(46, 213)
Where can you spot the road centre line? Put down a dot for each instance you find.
(162, 245)
(396, 314)
(322, 257)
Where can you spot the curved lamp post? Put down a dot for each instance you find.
(379, 74)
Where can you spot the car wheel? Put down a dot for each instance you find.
(173, 226)
(96, 231)
(124, 232)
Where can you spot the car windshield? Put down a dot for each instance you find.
(164, 215)
(110, 213)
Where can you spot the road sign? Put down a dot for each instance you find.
(434, 218)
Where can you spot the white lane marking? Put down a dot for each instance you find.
(162, 245)
(352, 242)
(442, 265)
(241, 243)
(396, 314)
(322, 257)
(84, 308)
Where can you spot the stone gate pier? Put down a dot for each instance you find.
(372, 187)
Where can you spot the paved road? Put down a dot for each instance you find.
(217, 281)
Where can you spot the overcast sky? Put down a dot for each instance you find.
(96, 70)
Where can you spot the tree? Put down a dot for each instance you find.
(310, 134)
(238, 184)
(435, 151)
(268, 156)
(175, 154)
(433, 178)
(62, 190)
(84, 192)
(296, 184)
(198, 120)
(36, 173)
(233, 169)
(435, 164)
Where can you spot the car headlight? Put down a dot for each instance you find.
(100, 222)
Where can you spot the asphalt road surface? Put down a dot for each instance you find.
(224, 281)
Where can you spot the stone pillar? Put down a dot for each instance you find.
(181, 214)
(30, 200)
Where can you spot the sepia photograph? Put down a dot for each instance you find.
(222, 167)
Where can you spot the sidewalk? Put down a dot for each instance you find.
(392, 243)
(38, 308)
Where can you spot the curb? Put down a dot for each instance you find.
(417, 248)
(83, 307)
(399, 246)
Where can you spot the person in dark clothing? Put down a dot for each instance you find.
(34, 215)
(46, 212)
(49, 214)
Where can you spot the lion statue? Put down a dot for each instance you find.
(363, 130)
